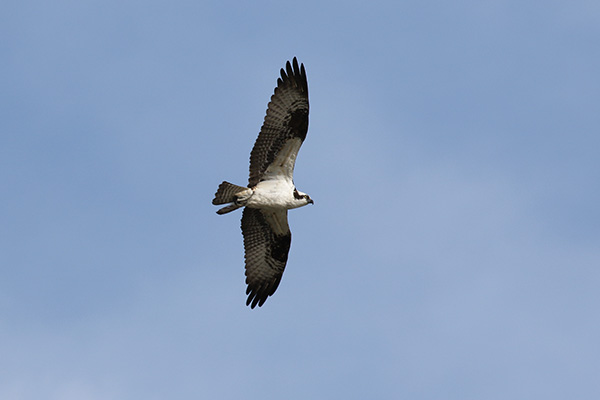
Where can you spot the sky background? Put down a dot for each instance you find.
(453, 251)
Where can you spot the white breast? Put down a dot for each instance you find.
(276, 188)
(273, 193)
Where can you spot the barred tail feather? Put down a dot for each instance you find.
(229, 208)
(227, 193)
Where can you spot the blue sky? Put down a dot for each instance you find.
(453, 250)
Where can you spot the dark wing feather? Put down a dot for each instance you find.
(267, 240)
(287, 117)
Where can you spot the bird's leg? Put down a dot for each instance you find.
(242, 198)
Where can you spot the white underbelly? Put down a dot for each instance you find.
(273, 194)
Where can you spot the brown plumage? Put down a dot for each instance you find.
(287, 117)
(271, 191)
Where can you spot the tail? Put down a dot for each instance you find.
(226, 193)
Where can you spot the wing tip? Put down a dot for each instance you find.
(258, 296)
(254, 300)
(295, 73)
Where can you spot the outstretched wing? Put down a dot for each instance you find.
(267, 240)
(287, 118)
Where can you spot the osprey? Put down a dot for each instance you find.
(271, 191)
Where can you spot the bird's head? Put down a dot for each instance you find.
(302, 198)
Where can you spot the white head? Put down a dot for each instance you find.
(302, 199)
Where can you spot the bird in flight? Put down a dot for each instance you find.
(271, 191)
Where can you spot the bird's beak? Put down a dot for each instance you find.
(311, 202)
